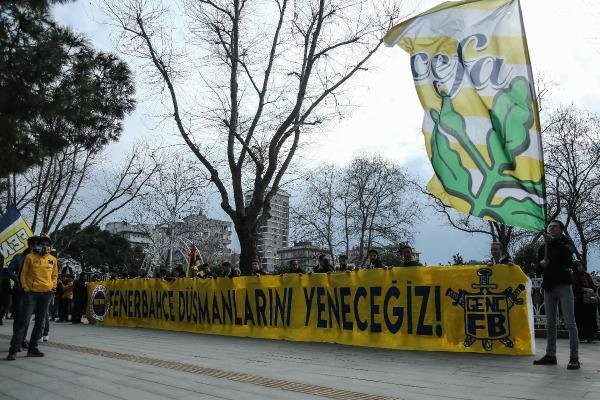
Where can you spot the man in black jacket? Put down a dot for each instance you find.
(256, 269)
(556, 267)
(79, 298)
(227, 270)
(408, 257)
(499, 255)
(374, 260)
(324, 265)
(294, 267)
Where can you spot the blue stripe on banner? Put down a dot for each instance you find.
(12, 214)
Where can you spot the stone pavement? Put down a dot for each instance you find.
(88, 362)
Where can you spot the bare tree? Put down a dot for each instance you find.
(369, 203)
(383, 207)
(175, 191)
(49, 189)
(509, 236)
(316, 217)
(73, 186)
(173, 194)
(266, 73)
(572, 147)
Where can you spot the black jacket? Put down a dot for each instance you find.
(5, 289)
(297, 271)
(504, 260)
(412, 263)
(79, 291)
(376, 264)
(257, 273)
(560, 257)
(319, 269)
(210, 275)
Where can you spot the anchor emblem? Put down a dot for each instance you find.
(486, 311)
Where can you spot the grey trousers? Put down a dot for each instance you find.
(564, 295)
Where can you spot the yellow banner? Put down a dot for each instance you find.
(459, 308)
(472, 73)
(14, 232)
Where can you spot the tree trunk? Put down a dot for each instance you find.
(583, 241)
(247, 232)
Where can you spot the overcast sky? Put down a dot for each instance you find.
(564, 43)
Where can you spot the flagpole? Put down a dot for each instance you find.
(537, 122)
(535, 109)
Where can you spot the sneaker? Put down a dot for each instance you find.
(12, 356)
(34, 353)
(546, 360)
(45, 338)
(573, 364)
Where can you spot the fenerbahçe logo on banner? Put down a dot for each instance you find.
(99, 304)
(486, 312)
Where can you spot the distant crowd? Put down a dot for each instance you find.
(323, 265)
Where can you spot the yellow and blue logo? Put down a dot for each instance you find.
(486, 311)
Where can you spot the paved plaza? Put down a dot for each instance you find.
(89, 362)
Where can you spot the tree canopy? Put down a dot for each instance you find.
(93, 247)
(56, 89)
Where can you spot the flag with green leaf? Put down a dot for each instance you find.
(471, 69)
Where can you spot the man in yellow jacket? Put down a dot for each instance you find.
(38, 279)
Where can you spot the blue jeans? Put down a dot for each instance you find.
(20, 297)
(552, 297)
(47, 319)
(35, 302)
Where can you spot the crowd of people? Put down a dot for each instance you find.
(228, 270)
(32, 285)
